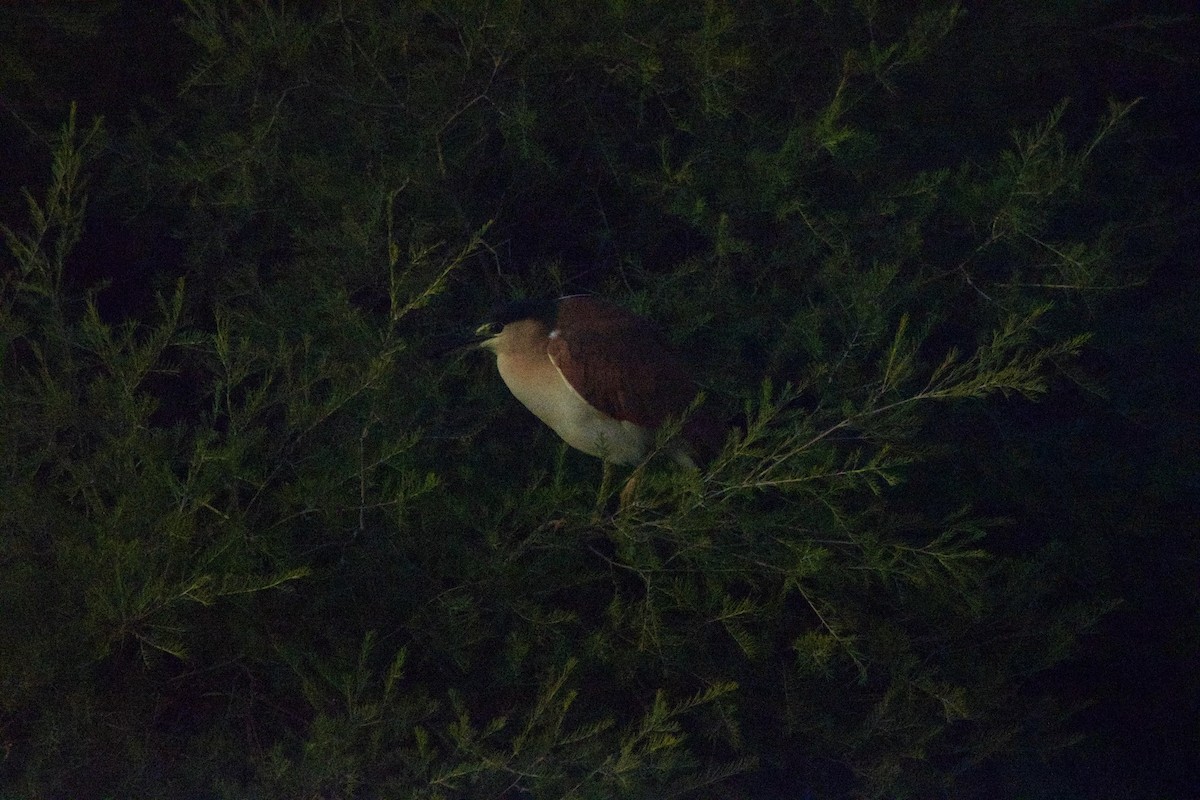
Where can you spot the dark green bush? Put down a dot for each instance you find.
(261, 540)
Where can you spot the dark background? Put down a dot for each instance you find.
(1106, 466)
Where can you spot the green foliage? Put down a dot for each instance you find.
(282, 550)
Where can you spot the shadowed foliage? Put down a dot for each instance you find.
(262, 539)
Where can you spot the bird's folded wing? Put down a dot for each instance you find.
(626, 373)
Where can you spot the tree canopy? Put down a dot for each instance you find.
(262, 538)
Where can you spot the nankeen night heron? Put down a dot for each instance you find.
(603, 378)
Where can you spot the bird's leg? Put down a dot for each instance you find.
(603, 492)
(630, 488)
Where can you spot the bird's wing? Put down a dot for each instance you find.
(624, 369)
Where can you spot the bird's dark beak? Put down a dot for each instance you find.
(456, 345)
(486, 331)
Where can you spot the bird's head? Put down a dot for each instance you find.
(514, 320)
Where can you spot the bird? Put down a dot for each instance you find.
(603, 378)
